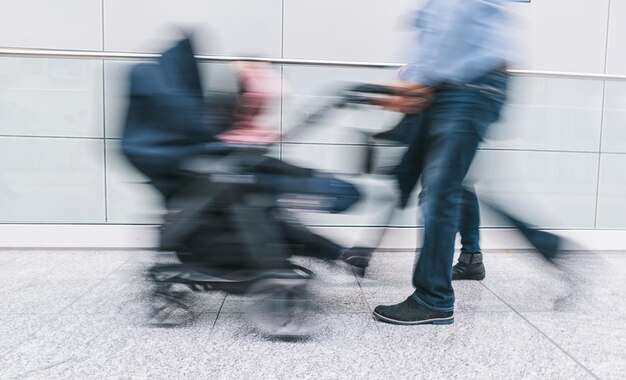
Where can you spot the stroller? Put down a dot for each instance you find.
(229, 206)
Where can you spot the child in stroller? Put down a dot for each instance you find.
(227, 202)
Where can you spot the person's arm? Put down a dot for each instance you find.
(442, 27)
(444, 40)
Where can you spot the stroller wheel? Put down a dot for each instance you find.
(280, 307)
(169, 307)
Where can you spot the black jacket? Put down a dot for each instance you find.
(166, 119)
(409, 169)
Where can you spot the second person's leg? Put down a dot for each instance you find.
(470, 265)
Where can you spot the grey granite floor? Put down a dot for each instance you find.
(81, 315)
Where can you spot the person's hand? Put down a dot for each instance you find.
(411, 98)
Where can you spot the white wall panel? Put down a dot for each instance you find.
(612, 191)
(616, 54)
(368, 30)
(51, 180)
(61, 179)
(116, 75)
(58, 24)
(322, 80)
(50, 97)
(229, 27)
(614, 123)
(550, 114)
(309, 88)
(549, 189)
(562, 35)
(130, 199)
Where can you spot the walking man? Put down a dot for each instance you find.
(458, 73)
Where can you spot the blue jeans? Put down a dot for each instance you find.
(451, 130)
(469, 220)
(469, 223)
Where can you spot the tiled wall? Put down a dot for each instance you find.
(560, 146)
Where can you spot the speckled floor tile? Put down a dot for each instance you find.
(334, 289)
(62, 265)
(325, 298)
(59, 324)
(390, 268)
(478, 346)
(528, 283)
(346, 346)
(42, 296)
(17, 328)
(338, 299)
(472, 296)
(98, 265)
(598, 341)
(164, 353)
(592, 264)
(29, 266)
(133, 297)
(138, 262)
(540, 291)
(70, 346)
(6, 257)
(330, 272)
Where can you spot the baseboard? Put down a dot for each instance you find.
(53, 236)
(78, 236)
(491, 238)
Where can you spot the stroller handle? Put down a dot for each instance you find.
(374, 89)
(361, 94)
(367, 93)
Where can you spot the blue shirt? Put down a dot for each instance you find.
(459, 41)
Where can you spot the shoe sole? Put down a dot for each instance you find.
(433, 321)
(476, 277)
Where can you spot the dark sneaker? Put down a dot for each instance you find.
(358, 258)
(469, 267)
(410, 312)
(547, 244)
